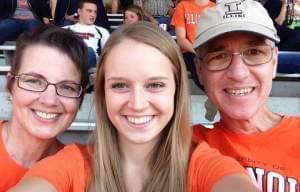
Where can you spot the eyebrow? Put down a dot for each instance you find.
(150, 79)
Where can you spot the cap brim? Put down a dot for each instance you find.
(235, 27)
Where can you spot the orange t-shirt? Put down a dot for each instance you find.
(68, 170)
(187, 15)
(207, 166)
(10, 171)
(271, 158)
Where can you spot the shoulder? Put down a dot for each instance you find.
(201, 133)
(72, 163)
(207, 166)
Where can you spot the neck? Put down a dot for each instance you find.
(24, 148)
(262, 121)
(135, 160)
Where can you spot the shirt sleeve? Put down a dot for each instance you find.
(62, 168)
(178, 19)
(207, 166)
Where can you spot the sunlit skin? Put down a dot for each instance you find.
(43, 115)
(87, 14)
(240, 92)
(130, 17)
(140, 102)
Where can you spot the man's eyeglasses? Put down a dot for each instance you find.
(36, 83)
(254, 55)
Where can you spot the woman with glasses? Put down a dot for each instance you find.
(143, 136)
(236, 65)
(46, 85)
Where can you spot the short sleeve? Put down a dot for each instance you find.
(178, 19)
(207, 166)
(65, 170)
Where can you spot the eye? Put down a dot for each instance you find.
(254, 51)
(119, 86)
(32, 80)
(155, 86)
(69, 87)
(216, 56)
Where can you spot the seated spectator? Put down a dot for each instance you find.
(285, 16)
(157, 11)
(132, 14)
(95, 37)
(64, 12)
(185, 21)
(111, 5)
(18, 16)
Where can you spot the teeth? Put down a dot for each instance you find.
(45, 115)
(239, 92)
(139, 120)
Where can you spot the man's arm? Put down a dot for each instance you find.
(182, 41)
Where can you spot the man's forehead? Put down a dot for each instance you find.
(88, 5)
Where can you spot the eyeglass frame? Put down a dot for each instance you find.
(17, 77)
(201, 58)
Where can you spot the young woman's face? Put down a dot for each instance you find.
(130, 17)
(139, 91)
(44, 114)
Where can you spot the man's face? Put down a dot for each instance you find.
(87, 14)
(238, 90)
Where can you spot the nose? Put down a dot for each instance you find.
(138, 99)
(237, 70)
(49, 96)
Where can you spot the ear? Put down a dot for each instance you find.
(275, 62)
(198, 67)
(8, 76)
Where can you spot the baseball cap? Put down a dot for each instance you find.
(234, 15)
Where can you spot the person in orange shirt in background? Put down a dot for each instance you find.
(143, 136)
(45, 96)
(185, 20)
(236, 62)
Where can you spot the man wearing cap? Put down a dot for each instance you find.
(236, 62)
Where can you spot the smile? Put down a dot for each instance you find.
(239, 92)
(139, 120)
(46, 115)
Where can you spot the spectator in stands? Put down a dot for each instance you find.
(236, 62)
(286, 17)
(185, 21)
(46, 86)
(64, 12)
(143, 135)
(95, 37)
(111, 5)
(18, 16)
(157, 11)
(133, 14)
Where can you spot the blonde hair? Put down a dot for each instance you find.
(170, 156)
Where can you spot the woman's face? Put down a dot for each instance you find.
(44, 114)
(130, 17)
(139, 91)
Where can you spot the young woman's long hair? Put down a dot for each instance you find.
(169, 158)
